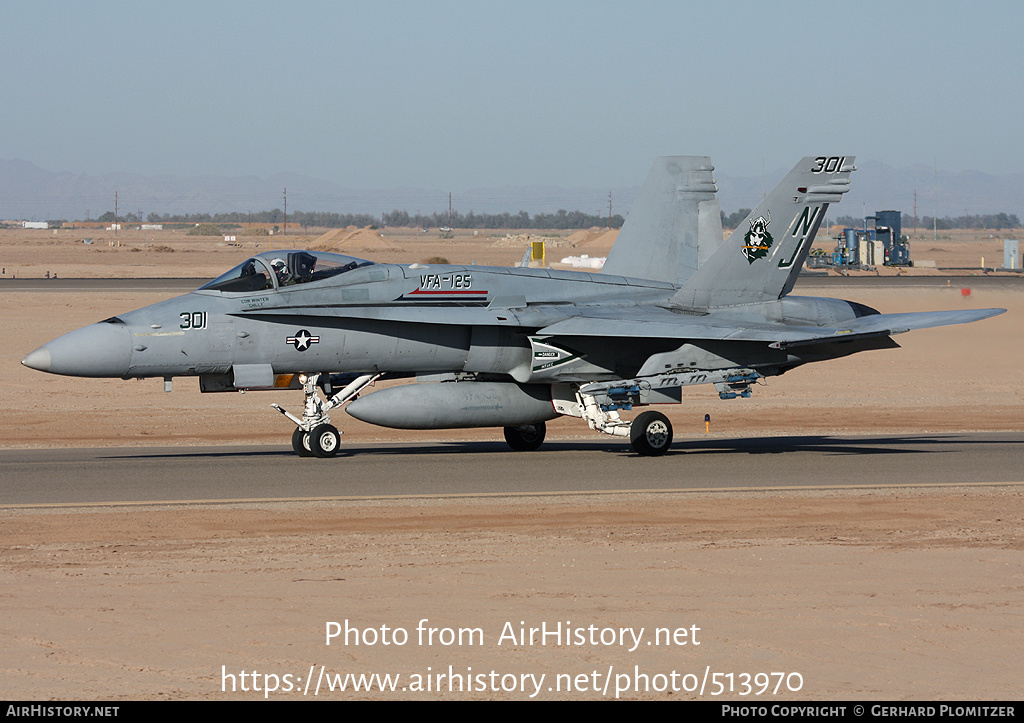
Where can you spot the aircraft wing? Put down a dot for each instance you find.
(640, 322)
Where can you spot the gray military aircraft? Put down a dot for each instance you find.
(675, 306)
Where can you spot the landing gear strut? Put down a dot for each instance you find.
(650, 433)
(314, 435)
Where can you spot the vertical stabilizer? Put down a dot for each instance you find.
(762, 258)
(674, 225)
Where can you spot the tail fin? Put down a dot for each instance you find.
(674, 226)
(762, 258)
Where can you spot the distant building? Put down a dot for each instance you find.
(35, 224)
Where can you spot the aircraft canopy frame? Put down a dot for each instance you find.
(275, 270)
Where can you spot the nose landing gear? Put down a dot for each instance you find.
(314, 435)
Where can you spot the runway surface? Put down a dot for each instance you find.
(143, 475)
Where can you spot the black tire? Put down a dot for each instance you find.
(300, 442)
(324, 441)
(651, 434)
(526, 438)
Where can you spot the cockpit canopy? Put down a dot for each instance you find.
(279, 269)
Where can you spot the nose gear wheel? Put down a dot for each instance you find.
(324, 440)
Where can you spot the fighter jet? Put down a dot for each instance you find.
(675, 306)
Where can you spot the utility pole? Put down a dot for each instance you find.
(609, 209)
(449, 209)
(286, 210)
(115, 212)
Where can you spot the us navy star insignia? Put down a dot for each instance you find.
(302, 340)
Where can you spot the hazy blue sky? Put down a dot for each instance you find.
(456, 95)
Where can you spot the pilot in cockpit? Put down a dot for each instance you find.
(284, 277)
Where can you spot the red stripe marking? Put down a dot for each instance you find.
(470, 291)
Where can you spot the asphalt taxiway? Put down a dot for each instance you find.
(90, 476)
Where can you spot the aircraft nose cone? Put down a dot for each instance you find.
(98, 350)
(38, 360)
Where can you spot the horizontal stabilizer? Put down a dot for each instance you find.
(674, 326)
(899, 323)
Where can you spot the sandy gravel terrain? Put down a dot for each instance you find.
(173, 253)
(887, 594)
(871, 595)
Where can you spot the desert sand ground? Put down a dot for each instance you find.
(133, 253)
(886, 594)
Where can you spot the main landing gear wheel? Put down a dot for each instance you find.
(651, 434)
(300, 442)
(324, 441)
(525, 438)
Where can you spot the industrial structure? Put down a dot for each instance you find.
(880, 243)
(1011, 253)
